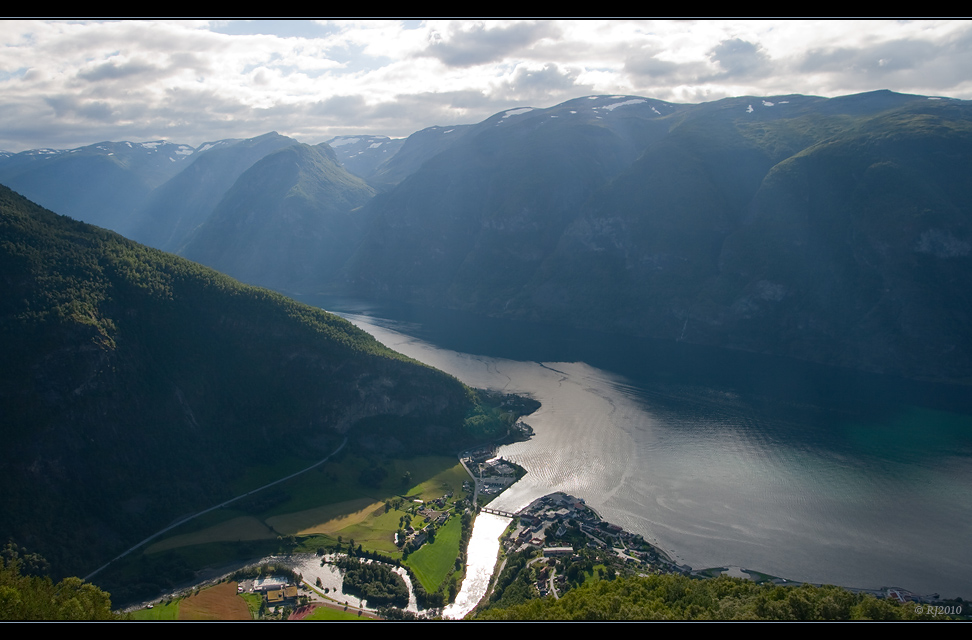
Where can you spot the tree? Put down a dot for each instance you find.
(24, 597)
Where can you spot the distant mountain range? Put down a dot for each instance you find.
(832, 230)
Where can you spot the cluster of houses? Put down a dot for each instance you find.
(553, 515)
(436, 513)
(276, 590)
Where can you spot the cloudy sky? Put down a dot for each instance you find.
(65, 84)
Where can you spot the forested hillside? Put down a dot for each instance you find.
(138, 386)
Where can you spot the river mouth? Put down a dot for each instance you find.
(796, 470)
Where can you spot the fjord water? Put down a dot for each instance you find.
(799, 471)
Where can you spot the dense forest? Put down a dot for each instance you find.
(674, 597)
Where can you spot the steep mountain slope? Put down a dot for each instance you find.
(472, 225)
(834, 230)
(138, 386)
(288, 222)
(865, 251)
(415, 151)
(173, 211)
(639, 252)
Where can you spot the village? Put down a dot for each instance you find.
(554, 544)
(548, 522)
(563, 541)
(558, 542)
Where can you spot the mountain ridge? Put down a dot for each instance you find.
(629, 215)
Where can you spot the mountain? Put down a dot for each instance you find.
(414, 152)
(101, 183)
(835, 230)
(287, 223)
(474, 223)
(172, 211)
(831, 230)
(362, 155)
(138, 386)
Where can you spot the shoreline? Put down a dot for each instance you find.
(662, 557)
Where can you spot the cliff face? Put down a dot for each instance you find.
(138, 386)
(831, 230)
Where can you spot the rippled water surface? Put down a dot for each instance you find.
(869, 498)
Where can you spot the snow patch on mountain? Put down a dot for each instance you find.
(615, 105)
(516, 112)
(340, 142)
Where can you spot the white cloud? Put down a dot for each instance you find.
(64, 84)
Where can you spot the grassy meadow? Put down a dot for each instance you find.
(351, 498)
(433, 562)
(327, 613)
(340, 500)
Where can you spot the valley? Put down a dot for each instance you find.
(745, 324)
(831, 230)
(167, 385)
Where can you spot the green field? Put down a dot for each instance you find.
(439, 478)
(311, 511)
(432, 563)
(376, 531)
(168, 611)
(317, 508)
(327, 613)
